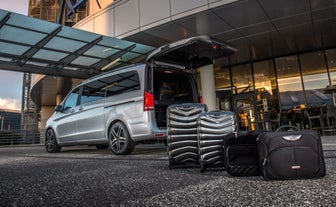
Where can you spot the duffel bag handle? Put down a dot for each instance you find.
(287, 128)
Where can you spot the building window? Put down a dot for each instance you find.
(267, 95)
(223, 89)
(243, 96)
(289, 82)
(242, 79)
(315, 78)
(331, 59)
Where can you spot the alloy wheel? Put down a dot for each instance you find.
(120, 141)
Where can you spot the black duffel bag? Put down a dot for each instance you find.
(241, 153)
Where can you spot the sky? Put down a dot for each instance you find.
(11, 82)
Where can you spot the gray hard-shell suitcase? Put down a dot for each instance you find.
(212, 127)
(291, 155)
(182, 145)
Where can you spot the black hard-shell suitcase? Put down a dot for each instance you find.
(212, 127)
(241, 153)
(182, 145)
(291, 155)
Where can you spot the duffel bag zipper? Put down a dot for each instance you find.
(264, 171)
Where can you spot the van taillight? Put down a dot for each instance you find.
(148, 101)
(201, 99)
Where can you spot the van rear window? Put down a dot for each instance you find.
(175, 87)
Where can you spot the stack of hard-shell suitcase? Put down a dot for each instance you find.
(210, 139)
(195, 136)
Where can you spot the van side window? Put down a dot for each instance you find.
(121, 83)
(71, 100)
(92, 91)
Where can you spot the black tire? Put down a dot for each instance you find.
(120, 141)
(51, 144)
(102, 146)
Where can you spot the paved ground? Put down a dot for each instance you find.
(85, 176)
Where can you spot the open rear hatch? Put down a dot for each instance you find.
(190, 53)
(185, 56)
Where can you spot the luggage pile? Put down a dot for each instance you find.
(210, 140)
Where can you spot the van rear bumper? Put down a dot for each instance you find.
(142, 132)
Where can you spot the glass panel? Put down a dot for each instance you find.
(113, 42)
(245, 112)
(21, 35)
(87, 61)
(101, 51)
(31, 23)
(49, 55)
(222, 78)
(170, 88)
(3, 13)
(223, 89)
(289, 81)
(69, 32)
(331, 59)
(92, 91)
(71, 100)
(267, 95)
(121, 83)
(142, 48)
(12, 49)
(63, 44)
(315, 78)
(290, 90)
(244, 96)
(242, 79)
(129, 56)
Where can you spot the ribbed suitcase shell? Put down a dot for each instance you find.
(291, 155)
(182, 143)
(212, 127)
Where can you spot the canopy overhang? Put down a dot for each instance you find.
(36, 46)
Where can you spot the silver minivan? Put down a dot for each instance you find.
(125, 106)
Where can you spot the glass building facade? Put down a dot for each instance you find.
(49, 10)
(279, 87)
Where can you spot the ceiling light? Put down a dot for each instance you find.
(110, 64)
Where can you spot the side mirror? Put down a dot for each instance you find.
(59, 108)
